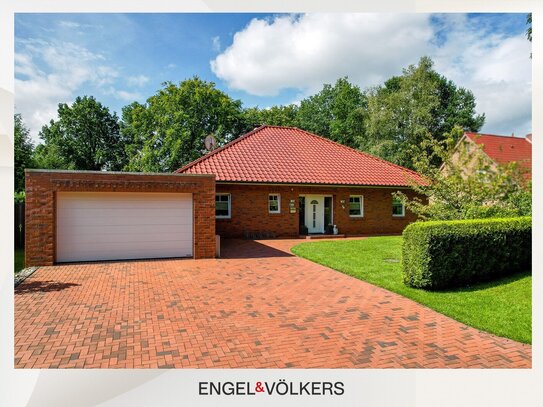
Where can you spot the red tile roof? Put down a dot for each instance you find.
(273, 154)
(505, 149)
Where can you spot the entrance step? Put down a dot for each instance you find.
(312, 237)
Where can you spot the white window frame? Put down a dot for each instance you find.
(278, 203)
(403, 209)
(361, 206)
(229, 216)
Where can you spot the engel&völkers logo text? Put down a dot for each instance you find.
(280, 387)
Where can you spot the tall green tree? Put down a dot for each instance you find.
(168, 131)
(284, 115)
(336, 112)
(48, 156)
(529, 29)
(86, 136)
(408, 108)
(467, 185)
(23, 152)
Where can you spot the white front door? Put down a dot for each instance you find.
(314, 213)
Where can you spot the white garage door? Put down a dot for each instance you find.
(123, 225)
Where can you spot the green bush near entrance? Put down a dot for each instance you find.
(446, 254)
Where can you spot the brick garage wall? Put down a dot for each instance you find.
(40, 211)
(250, 210)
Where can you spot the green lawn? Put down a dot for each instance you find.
(502, 307)
(19, 260)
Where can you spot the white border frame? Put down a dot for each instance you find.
(369, 387)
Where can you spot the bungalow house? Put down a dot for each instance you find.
(498, 150)
(271, 182)
(283, 181)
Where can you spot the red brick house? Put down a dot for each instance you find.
(499, 150)
(271, 182)
(283, 181)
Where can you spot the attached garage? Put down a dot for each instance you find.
(123, 225)
(73, 216)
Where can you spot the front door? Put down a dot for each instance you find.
(314, 213)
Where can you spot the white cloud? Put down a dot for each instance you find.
(123, 94)
(49, 73)
(73, 25)
(129, 96)
(497, 68)
(68, 24)
(303, 52)
(216, 43)
(138, 80)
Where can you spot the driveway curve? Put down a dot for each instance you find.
(258, 306)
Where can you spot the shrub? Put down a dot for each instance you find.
(19, 197)
(447, 254)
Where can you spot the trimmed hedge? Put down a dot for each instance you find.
(446, 254)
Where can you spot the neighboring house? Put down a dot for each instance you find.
(273, 181)
(283, 181)
(498, 150)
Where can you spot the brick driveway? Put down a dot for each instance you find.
(258, 306)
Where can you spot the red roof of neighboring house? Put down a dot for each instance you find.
(273, 154)
(505, 149)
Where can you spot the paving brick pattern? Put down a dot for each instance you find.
(258, 306)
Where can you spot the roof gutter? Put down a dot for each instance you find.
(284, 184)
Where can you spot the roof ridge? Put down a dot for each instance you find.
(496, 135)
(406, 171)
(262, 127)
(218, 150)
(365, 154)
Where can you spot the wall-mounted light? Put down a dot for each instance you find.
(342, 202)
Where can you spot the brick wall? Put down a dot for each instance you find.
(40, 211)
(250, 210)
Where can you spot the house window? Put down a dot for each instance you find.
(274, 203)
(222, 206)
(398, 208)
(356, 206)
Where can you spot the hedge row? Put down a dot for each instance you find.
(446, 254)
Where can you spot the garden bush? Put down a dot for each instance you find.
(446, 254)
(20, 197)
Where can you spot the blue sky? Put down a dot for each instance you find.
(266, 59)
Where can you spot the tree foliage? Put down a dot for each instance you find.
(24, 149)
(283, 115)
(467, 185)
(413, 106)
(529, 24)
(48, 156)
(168, 131)
(529, 29)
(337, 112)
(85, 137)
(19, 197)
